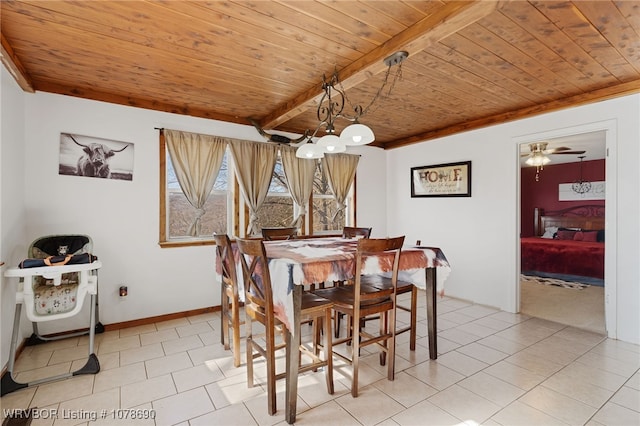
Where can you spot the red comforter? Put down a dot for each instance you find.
(563, 257)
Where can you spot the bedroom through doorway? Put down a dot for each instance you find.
(562, 205)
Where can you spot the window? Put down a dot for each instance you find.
(324, 206)
(182, 214)
(178, 214)
(277, 209)
(224, 210)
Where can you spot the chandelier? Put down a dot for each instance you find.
(581, 186)
(331, 107)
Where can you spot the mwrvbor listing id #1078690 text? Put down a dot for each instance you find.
(91, 415)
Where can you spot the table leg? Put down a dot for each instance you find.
(293, 343)
(431, 312)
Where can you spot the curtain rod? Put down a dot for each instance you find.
(162, 128)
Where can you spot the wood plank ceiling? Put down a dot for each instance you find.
(470, 64)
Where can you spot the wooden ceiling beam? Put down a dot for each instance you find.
(447, 20)
(14, 66)
(569, 102)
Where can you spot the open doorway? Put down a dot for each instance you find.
(562, 205)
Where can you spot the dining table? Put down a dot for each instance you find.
(304, 261)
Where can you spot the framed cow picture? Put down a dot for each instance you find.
(95, 157)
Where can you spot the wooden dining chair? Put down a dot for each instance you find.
(347, 232)
(360, 300)
(402, 288)
(355, 232)
(259, 307)
(271, 234)
(229, 296)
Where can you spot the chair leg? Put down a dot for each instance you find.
(93, 364)
(224, 318)
(249, 344)
(271, 370)
(336, 324)
(355, 357)
(328, 352)
(391, 346)
(349, 324)
(317, 333)
(92, 325)
(414, 315)
(384, 328)
(8, 384)
(235, 314)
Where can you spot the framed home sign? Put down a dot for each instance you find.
(442, 180)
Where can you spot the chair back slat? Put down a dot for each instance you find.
(257, 280)
(355, 232)
(386, 250)
(378, 247)
(270, 234)
(225, 259)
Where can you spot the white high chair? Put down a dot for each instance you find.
(51, 293)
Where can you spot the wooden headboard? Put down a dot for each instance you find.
(587, 217)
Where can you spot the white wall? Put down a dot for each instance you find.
(371, 189)
(12, 190)
(479, 235)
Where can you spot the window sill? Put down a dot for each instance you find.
(206, 242)
(186, 243)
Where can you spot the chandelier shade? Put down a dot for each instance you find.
(331, 144)
(310, 151)
(357, 134)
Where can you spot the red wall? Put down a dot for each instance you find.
(544, 193)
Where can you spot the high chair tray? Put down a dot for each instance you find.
(47, 271)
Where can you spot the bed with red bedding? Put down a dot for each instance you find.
(568, 242)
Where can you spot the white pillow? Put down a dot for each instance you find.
(550, 232)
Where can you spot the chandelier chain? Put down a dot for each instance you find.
(359, 111)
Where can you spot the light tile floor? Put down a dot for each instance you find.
(493, 368)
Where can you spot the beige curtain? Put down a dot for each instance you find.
(340, 170)
(299, 173)
(196, 160)
(254, 162)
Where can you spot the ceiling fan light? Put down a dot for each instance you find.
(357, 134)
(310, 151)
(538, 160)
(331, 144)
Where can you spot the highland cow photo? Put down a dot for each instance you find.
(95, 157)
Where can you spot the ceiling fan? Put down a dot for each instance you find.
(538, 155)
(538, 150)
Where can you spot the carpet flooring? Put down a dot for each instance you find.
(582, 308)
(553, 281)
(567, 277)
